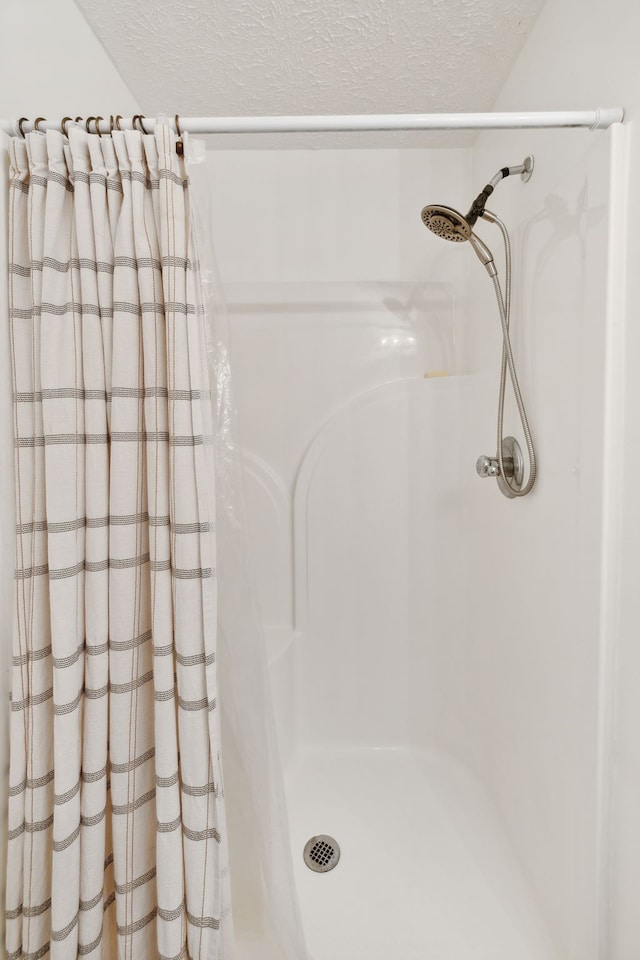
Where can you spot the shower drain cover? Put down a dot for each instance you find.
(322, 853)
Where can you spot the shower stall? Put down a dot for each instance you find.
(441, 658)
(438, 654)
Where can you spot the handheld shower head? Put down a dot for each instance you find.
(446, 222)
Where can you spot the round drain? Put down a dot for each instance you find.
(322, 853)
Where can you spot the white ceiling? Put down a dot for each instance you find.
(236, 57)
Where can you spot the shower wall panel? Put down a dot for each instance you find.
(406, 602)
(581, 53)
(532, 597)
(344, 321)
(364, 355)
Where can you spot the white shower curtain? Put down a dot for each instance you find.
(117, 844)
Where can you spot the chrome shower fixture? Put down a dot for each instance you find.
(447, 223)
(507, 465)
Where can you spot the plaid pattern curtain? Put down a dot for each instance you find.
(117, 842)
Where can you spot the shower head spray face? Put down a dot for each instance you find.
(446, 222)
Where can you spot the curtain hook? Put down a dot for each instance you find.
(63, 125)
(117, 119)
(78, 120)
(97, 124)
(140, 119)
(37, 121)
(20, 122)
(134, 121)
(179, 143)
(87, 124)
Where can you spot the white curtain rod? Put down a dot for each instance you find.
(599, 119)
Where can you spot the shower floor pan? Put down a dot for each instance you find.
(426, 871)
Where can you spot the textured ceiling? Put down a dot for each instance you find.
(236, 57)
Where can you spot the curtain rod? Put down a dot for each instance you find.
(599, 119)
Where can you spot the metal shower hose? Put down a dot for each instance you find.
(504, 306)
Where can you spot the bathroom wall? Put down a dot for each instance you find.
(534, 567)
(537, 685)
(505, 643)
(50, 65)
(586, 56)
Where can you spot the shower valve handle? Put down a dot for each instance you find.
(487, 467)
(490, 466)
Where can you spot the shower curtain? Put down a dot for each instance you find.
(117, 842)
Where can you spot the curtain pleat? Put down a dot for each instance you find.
(117, 842)
(96, 258)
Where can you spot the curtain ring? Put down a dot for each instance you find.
(117, 119)
(179, 143)
(142, 117)
(63, 125)
(20, 122)
(97, 123)
(37, 121)
(78, 120)
(134, 121)
(87, 124)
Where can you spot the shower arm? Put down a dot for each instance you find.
(477, 207)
